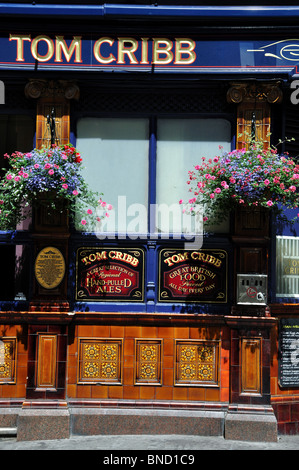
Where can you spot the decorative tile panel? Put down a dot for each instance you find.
(148, 362)
(100, 361)
(197, 363)
(7, 360)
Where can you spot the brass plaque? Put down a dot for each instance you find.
(49, 267)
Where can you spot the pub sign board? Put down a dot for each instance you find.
(288, 364)
(193, 276)
(91, 52)
(110, 274)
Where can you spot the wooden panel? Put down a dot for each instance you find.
(250, 366)
(46, 362)
(253, 260)
(252, 222)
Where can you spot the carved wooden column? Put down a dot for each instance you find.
(51, 230)
(251, 227)
(251, 324)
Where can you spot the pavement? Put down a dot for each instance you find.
(111, 447)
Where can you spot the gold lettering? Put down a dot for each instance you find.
(180, 51)
(124, 257)
(34, 48)
(20, 38)
(94, 257)
(144, 51)
(61, 46)
(127, 46)
(165, 51)
(97, 51)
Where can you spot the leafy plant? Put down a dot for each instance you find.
(50, 177)
(253, 177)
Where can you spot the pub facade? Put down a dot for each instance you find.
(145, 323)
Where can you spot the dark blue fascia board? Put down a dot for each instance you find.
(150, 11)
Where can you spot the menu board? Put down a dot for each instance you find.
(110, 274)
(195, 276)
(289, 352)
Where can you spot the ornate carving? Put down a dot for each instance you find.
(36, 88)
(254, 92)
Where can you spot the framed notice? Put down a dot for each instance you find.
(288, 363)
(193, 276)
(110, 274)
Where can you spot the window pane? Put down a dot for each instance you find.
(287, 266)
(115, 154)
(181, 144)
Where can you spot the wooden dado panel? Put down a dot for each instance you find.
(250, 350)
(47, 360)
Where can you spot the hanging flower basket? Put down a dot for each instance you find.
(48, 177)
(246, 178)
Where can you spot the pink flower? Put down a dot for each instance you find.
(65, 186)
(218, 190)
(212, 195)
(269, 203)
(109, 207)
(205, 219)
(9, 177)
(266, 182)
(17, 178)
(75, 192)
(83, 222)
(292, 188)
(89, 211)
(107, 215)
(36, 166)
(181, 201)
(25, 175)
(47, 166)
(232, 180)
(51, 172)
